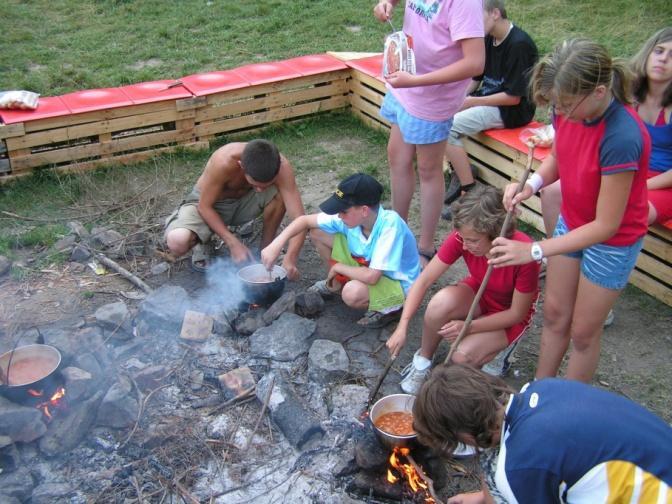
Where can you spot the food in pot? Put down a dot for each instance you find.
(29, 370)
(397, 423)
(398, 54)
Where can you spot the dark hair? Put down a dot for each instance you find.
(260, 160)
(458, 399)
(490, 5)
(482, 209)
(640, 84)
(576, 67)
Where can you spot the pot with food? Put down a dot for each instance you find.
(392, 418)
(262, 286)
(27, 367)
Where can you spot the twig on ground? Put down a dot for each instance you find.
(261, 415)
(123, 272)
(141, 410)
(246, 394)
(136, 485)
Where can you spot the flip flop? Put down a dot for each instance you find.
(427, 256)
(201, 257)
(378, 320)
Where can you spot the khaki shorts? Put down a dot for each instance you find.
(234, 212)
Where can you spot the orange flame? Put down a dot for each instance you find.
(53, 401)
(415, 481)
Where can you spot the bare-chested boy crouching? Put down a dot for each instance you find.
(241, 181)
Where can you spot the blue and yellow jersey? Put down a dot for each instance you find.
(564, 441)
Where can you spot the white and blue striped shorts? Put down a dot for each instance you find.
(414, 130)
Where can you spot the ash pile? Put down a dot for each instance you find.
(202, 397)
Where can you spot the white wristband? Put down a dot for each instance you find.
(535, 182)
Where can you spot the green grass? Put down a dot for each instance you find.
(64, 45)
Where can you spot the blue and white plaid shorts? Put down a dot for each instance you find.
(414, 130)
(608, 266)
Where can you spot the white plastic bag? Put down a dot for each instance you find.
(398, 54)
(541, 137)
(22, 100)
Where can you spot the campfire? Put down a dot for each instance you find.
(411, 473)
(48, 406)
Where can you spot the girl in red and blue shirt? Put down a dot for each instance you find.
(601, 155)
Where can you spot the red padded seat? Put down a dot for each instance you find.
(47, 106)
(263, 73)
(91, 100)
(315, 64)
(511, 137)
(371, 65)
(202, 84)
(155, 91)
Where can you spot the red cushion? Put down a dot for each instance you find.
(214, 82)
(47, 106)
(668, 224)
(155, 91)
(511, 137)
(90, 100)
(263, 73)
(372, 65)
(315, 64)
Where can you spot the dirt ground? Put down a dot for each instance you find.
(636, 353)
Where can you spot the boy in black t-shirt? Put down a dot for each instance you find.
(499, 97)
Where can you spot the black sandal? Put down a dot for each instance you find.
(427, 256)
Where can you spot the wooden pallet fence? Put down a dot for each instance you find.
(259, 105)
(100, 137)
(366, 98)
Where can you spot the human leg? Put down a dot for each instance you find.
(402, 176)
(185, 228)
(273, 213)
(562, 278)
(551, 200)
(478, 348)
(432, 191)
(355, 294)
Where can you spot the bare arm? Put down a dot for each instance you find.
(470, 65)
(365, 274)
(611, 203)
(662, 181)
(434, 269)
(294, 206)
(501, 99)
(297, 227)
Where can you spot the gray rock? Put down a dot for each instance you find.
(309, 304)
(5, 441)
(116, 320)
(47, 493)
(18, 484)
(165, 307)
(196, 379)
(89, 363)
(78, 229)
(370, 454)
(5, 265)
(284, 340)
(67, 431)
(8, 499)
(80, 254)
(249, 322)
(160, 268)
(77, 382)
(291, 414)
(284, 304)
(134, 244)
(119, 407)
(66, 243)
(327, 361)
(105, 238)
(349, 401)
(72, 342)
(20, 423)
(150, 377)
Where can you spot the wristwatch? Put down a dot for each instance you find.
(536, 252)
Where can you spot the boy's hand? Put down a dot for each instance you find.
(268, 256)
(383, 10)
(240, 253)
(293, 272)
(397, 340)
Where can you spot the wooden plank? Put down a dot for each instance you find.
(12, 130)
(97, 149)
(369, 121)
(657, 269)
(367, 108)
(366, 93)
(661, 232)
(493, 159)
(97, 128)
(350, 55)
(657, 247)
(191, 103)
(99, 115)
(269, 116)
(367, 80)
(651, 287)
(272, 100)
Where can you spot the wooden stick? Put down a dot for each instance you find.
(380, 380)
(425, 478)
(488, 272)
(261, 415)
(123, 272)
(246, 394)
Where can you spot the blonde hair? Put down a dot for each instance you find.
(576, 67)
(640, 85)
(483, 210)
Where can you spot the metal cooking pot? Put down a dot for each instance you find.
(32, 366)
(388, 404)
(261, 287)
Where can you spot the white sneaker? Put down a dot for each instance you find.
(501, 364)
(415, 374)
(320, 287)
(610, 319)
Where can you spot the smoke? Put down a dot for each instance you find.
(223, 289)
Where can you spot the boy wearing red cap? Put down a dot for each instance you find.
(372, 254)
